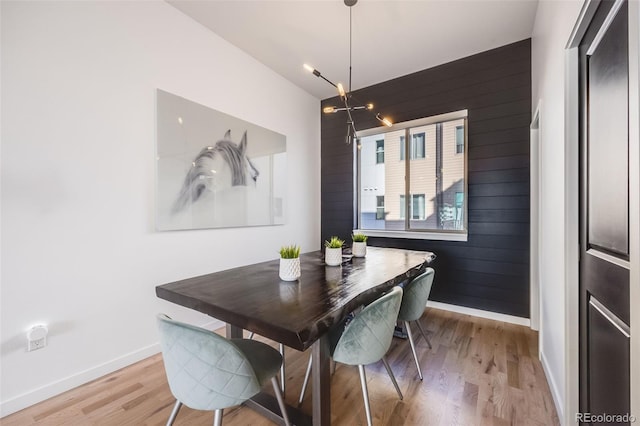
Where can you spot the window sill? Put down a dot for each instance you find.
(414, 235)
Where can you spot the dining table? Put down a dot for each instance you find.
(297, 313)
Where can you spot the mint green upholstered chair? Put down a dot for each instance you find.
(208, 372)
(414, 300)
(281, 350)
(365, 340)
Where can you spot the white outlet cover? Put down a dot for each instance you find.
(37, 332)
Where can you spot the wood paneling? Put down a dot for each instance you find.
(495, 87)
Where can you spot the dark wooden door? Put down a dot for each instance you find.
(604, 214)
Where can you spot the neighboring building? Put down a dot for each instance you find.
(436, 185)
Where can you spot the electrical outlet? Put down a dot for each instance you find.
(37, 337)
(32, 345)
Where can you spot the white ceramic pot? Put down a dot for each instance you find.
(333, 256)
(359, 249)
(289, 269)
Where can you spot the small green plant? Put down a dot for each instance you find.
(290, 252)
(334, 242)
(359, 238)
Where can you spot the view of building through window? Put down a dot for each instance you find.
(432, 196)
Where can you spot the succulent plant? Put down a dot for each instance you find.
(334, 242)
(290, 252)
(359, 238)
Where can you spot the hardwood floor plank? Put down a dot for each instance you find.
(478, 372)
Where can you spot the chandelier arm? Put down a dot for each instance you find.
(350, 122)
(328, 81)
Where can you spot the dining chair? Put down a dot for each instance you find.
(414, 300)
(281, 350)
(365, 340)
(208, 372)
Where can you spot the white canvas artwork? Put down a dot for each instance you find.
(215, 170)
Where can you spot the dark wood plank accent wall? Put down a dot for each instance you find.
(490, 271)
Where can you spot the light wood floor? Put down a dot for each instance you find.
(479, 372)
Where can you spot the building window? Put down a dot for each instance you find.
(416, 207)
(417, 148)
(380, 151)
(380, 207)
(459, 139)
(431, 192)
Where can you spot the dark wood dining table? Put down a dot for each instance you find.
(298, 313)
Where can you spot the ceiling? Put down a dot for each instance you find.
(390, 38)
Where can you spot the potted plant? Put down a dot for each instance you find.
(290, 263)
(333, 251)
(359, 247)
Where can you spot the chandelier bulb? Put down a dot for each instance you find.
(384, 120)
(329, 109)
(341, 90)
(311, 70)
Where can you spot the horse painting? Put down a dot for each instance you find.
(218, 167)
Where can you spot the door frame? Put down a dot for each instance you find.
(535, 224)
(572, 210)
(634, 197)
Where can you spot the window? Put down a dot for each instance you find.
(380, 151)
(459, 139)
(417, 146)
(380, 207)
(416, 207)
(431, 192)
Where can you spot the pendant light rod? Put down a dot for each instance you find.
(350, 43)
(345, 96)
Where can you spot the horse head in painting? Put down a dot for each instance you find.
(221, 166)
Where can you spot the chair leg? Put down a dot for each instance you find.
(282, 375)
(365, 394)
(174, 413)
(217, 417)
(393, 378)
(283, 409)
(413, 348)
(423, 333)
(305, 383)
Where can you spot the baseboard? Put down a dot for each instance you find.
(480, 313)
(557, 400)
(40, 394)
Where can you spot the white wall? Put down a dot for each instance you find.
(79, 249)
(552, 28)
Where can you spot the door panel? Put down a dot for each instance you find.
(604, 213)
(607, 70)
(604, 280)
(608, 346)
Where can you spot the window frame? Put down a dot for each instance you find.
(408, 232)
(412, 147)
(378, 206)
(463, 144)
(379, 151)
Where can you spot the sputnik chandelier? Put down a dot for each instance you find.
(345, 96)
